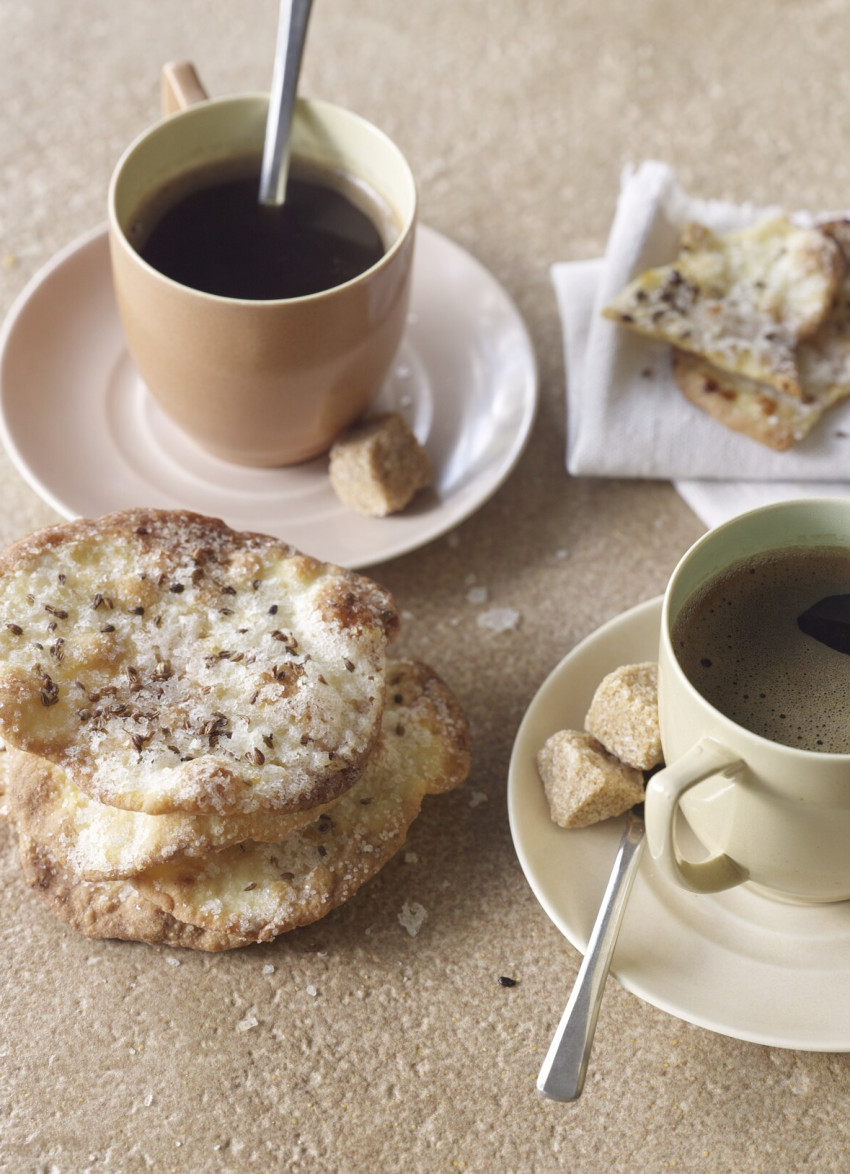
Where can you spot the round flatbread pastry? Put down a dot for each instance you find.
(258, 891)
(252, 892)
(93, 841)
(168, 663)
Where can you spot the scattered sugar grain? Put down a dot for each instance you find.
(246, 1024)
(311, 990)
(412, 917)
(477, 595)
(499, 619)
(268, 968)
(477, 798)
(170, 961)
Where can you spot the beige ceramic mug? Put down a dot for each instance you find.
(262, 382)
(774, 815)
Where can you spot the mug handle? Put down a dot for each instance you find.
(663, 792)
(180, 87)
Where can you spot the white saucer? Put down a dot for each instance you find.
(735, 962)
(83, 431)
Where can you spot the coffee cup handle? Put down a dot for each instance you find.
(663, 792)
(180, 87)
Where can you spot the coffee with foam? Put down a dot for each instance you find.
(739, 643)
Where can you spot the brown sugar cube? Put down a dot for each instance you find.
(377, 466)
(623, 715)
(583, 782)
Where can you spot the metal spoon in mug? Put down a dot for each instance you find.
(291, 35)
(562, 1075)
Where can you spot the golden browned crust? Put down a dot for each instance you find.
(760, 412)
(439, 729)
(109, 909)
(169, 663)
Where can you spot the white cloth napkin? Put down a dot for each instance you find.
(625, 416)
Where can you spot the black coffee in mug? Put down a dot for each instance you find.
(747, 643)
(209, 231)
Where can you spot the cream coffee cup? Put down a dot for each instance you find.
(765, 802)
(262, 382)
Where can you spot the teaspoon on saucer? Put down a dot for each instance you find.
(291, 35)
(562, 1075)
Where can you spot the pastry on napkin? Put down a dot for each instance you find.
(742, 300)
(758, 320)
(626, 415)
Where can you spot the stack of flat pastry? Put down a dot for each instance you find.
(759, 322)
(206, 745)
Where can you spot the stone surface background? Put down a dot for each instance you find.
(353, 1045)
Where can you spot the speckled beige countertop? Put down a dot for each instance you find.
(352, 1045)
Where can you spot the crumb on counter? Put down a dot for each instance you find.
(412, 917)
(499, 619)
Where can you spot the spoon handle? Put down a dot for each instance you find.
(562, 1075)
(291, 35)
